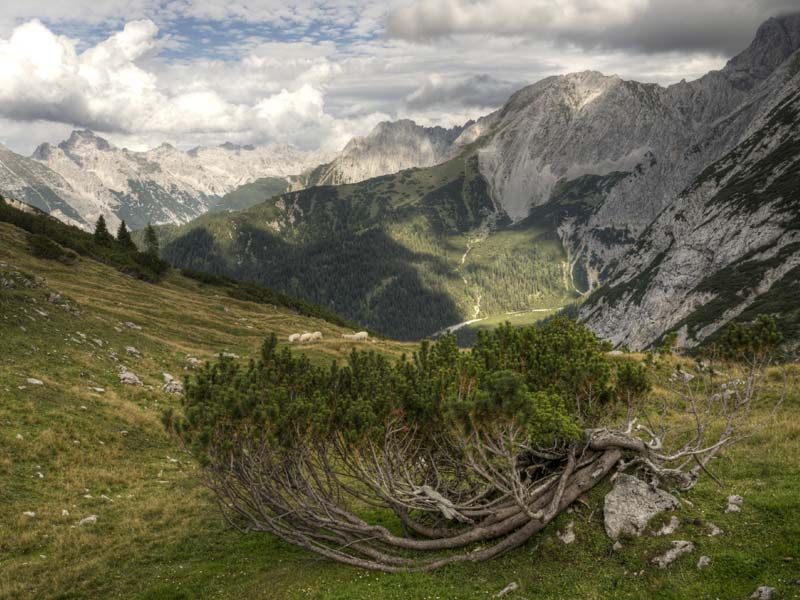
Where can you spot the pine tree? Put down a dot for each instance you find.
(151, 247)
(124, 238)
(101, 234)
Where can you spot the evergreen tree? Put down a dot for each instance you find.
(124, 238)
(151, 247)
(101, 234)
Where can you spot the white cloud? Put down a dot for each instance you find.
(107, 88)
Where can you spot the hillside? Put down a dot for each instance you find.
(158, 533)
(408, 254)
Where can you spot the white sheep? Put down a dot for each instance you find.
(294, 337)
(356, 337)
(317, 335)
(306, 337)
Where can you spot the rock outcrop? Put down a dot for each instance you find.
(630, 505)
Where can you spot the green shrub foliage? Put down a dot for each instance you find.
(547, 382)
(42, 246)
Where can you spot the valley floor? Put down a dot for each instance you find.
(68, 452)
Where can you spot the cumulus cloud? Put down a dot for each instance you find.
(106, 88)
(642, 25)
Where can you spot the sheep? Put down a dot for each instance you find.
(356, 337)
(317, 335)
(294, 337)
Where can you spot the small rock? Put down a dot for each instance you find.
(90, 520)
(617, 546)
(568, 535)
(64, 512)
(54, 298)
(734, 504)
(713, 530)
(98, 390)
(228, 355)
(29, 513)
(133, 351)
(511, 587)
(129, 378)
(681, 376)
(764, 592)
(40, 475)
(19, 437)
(679, 548)
(34, 381)
(132, 325)
(670, 527)
(630, 505)
(703, 562)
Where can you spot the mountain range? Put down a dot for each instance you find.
(656, 209)
(86, 176)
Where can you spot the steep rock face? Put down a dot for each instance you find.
(641, 144)
(390, 147)
(29, 181)
(728, 247)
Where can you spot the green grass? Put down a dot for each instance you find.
(159, 535)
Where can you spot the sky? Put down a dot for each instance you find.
(316, 73)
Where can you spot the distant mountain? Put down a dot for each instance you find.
(594, 163)
(389, 148)
(85, 176)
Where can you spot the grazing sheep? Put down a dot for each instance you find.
(317, 335)
(294, 337)
(306, 337)
(356, 337)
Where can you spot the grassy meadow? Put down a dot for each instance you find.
(68, 451)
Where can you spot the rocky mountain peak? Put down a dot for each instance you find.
(83, 140)
(775, 41)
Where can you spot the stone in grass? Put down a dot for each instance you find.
(34, 381)
(129, 377)
(567, 536)
(19, 437)
(630, 505)
(511, 587)
(90, 520)
(670, 527)
(133, 351)
(679, 548)
(172, 385)
(764, 592)
(713, 530)
(703, 562)
(29, 513)
(734, 504)
(132, 325)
